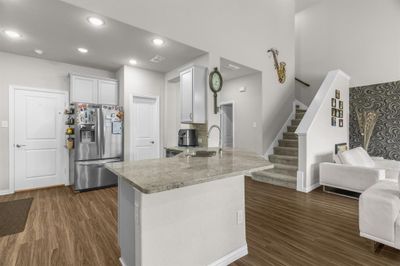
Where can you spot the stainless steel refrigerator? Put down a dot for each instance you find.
(98, 140)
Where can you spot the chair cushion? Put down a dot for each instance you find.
(357, 157)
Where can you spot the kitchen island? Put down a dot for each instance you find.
(184, 210)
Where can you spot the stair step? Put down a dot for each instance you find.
(290, 135)
(283, 159)
(285, 169)
(296, 122)
(291, 128)
(299, 115)
(288, 143)
(272, 177)
(291, 151)
(300, 111)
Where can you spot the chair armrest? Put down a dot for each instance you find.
(353, 178)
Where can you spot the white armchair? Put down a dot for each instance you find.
(379, 213)
(356, 171)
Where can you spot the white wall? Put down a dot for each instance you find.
(247, 110)
(317, 137)
(361, 37)
(238, 30)
(139, 82)
(31, 72)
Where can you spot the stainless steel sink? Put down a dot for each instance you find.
(202, 154)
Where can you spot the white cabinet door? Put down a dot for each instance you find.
(84, 89)
(108, 92)
(186, 85)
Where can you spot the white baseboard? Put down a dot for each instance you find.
(231, 257)
(121, 260)
(312, 187)
(5, 192)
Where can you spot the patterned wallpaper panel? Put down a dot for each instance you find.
(384, 98)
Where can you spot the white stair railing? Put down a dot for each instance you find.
(317, 136)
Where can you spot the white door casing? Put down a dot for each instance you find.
(37, 143)
(227, 124)
(145, 128)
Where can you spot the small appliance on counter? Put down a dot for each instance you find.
(98, 131)
(187, 138)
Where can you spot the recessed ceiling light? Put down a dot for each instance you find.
(12, 34)
(132, 62)
(83, 50)
(97, 22)
(158, 41)
(157, 59)
(38, 51)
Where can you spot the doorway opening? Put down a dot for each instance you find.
(227, 124)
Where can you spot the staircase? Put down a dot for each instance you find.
(284, 159)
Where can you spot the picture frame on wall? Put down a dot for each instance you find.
(333, 112)
(337, 94)
(341, 105)
(341, 147)
(340, 113)
(333, 121)
(333, 103)
(340, 122)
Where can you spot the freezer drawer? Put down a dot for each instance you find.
(93, 174)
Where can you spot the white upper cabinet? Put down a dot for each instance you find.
(92, 90)
(83, 89)
(193, 88)
(108, 92)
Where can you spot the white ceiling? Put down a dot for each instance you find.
(59, 29)
(228, 74)
(303, 4)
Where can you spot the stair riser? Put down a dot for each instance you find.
(273, 159)
(286, 171)
(296, 122)
(282, 151)
(291, 128)
(299, 116)
(273, 181)
(288, 143)
(289, 136)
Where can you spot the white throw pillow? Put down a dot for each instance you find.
(357, 157)
(336, 159)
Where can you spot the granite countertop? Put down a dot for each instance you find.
(152, 176)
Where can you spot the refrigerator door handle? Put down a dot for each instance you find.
(99, 129)
(103, 149)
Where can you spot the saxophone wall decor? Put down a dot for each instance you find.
(279, 66)
(366, 122)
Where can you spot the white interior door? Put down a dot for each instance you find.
(39, 156)
(145, 128)
(227, 125)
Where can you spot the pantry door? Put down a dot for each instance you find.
(40, 159)
(145, 131)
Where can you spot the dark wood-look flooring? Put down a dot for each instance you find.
(284, 227)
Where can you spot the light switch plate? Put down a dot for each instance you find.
(240, 217)
(254, 124)
(4, 123)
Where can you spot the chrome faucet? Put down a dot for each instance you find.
(219, 129)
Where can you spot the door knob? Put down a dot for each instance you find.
(152, 142)
(19, 145)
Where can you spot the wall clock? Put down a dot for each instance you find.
(215, 82)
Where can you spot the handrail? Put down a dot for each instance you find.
(302, 82)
